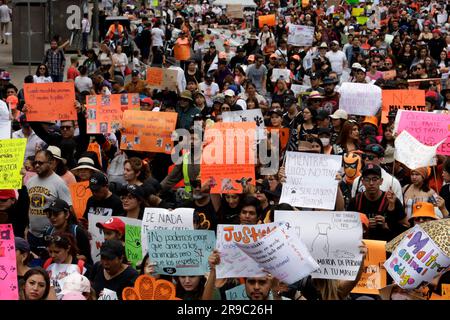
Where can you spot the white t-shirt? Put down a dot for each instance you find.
(157, 37)
(337, 60)
(5, 13)
(42, 79)
(83, 83)
(209, 91)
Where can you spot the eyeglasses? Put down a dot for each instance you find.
(370, 180)
(368, 156)
(35, 163)
(66, 127)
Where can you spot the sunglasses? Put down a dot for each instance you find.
(35, 163)
(53, 238)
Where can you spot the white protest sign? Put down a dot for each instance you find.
(97, 237)
(333, 239)
(277, 73)
(311, 180)
(108, 294)
(301, 36)
(235, 11)
(163, 219)
(233, 261)
(412, 153)
(5, 129)
(416, 260)
(298, 89)
(253, 115)
(360, 98)
(283, 255)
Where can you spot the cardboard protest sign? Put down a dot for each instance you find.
(180, 252)
(148, 131)
(427, 127)
(50, 101)
(412, 153)
(105, 112)
(235, 11)
(416, 260)
(282, 254)
(277, 73)
(301, 36)
(133, 247)
(269, 19)
(412, 100)
(80, 193)
(9, 288)
(163, 219)
(333, 238)
(233, 261)
(360, 98)
(252, 115)
(374, 275)
(5, 129)
(310, 180)
(12, 154)
(228, 158)
(160, 78)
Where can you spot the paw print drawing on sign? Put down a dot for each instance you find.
(13, 287)
(243, 119)
(258, 121)
(12, 269)
(3, 273)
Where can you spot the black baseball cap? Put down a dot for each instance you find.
(371, 169)
(322, 115)
(97, 181)
(57, 205)
(112, 249)
(135, 190)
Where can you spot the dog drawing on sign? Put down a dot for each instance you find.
(227, 185)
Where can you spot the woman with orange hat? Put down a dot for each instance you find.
(422, 212)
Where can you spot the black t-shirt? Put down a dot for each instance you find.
(208, 210)
(116, 284)
(107, 207)
(445, 194)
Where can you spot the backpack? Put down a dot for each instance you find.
(73, 230)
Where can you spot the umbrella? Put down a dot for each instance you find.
(438, 230)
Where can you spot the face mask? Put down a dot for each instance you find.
(325, 141)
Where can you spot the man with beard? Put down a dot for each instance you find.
(330, 102)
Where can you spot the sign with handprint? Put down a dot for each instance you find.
(8, 272)
(133, 247)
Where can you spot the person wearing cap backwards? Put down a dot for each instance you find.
(103, 201)
(112, 272)
(384, 210)
(136, 85)
(113, 229)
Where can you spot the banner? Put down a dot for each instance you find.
(278, 73)
(427, 127)
(252, 116)
(105, 112)
(12, 156)
(234, 262)
(283, 255)
(133, 247)
(80, 193)
(300, 36)
(228, 157)
(269, 19)
(360, 98)
(412, 153)
(50, 101)
(412, 100)
(332, 237)
(148, 131)
(311, 180)
(9, 288)
(235, 11)
(159, 78)
(374, 275)
(164, 219)
(416, 260)
(181, 252)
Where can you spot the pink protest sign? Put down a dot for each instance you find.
(8, 272)
(429, 128)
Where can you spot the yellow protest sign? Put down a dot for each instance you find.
(356, 12)
(12, 154)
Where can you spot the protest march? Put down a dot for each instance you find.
(229, 150)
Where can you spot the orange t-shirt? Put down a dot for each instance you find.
(182, 49)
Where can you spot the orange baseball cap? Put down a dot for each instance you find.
(423, 209)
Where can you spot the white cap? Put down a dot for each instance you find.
(339, 114)
(76, 282)
(229, 93)
(358, 66)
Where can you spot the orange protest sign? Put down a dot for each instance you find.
(445, 291)
(413, 100)
(95, 147)
(80, 193)
(374, 275)
(50, 101)
(228, 157)
(105, 111)
(159, 78)
(148, 131)
(269, 19)
(182, 49)
(155, 76)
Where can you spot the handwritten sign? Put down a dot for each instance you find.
(277, 73)
(416, 259)
(333, 239)
(374, 274)
(427, 127)
(105, 112)
(310, 181)
(360, 98)
(269, 19)
(50, 101)
(160, 78)
(108, 294)
(80, 193)
(237, 293)
(233, 261)
(235, 11)
(412, 153)
(283, 255)
(133, 247)
(9, 289)
(180, 252)
(299, 89)
(148, 131)
(253, 115)
(12, 154)
(301, 36)
(412, 100)
(163, 219)
(228, 160)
